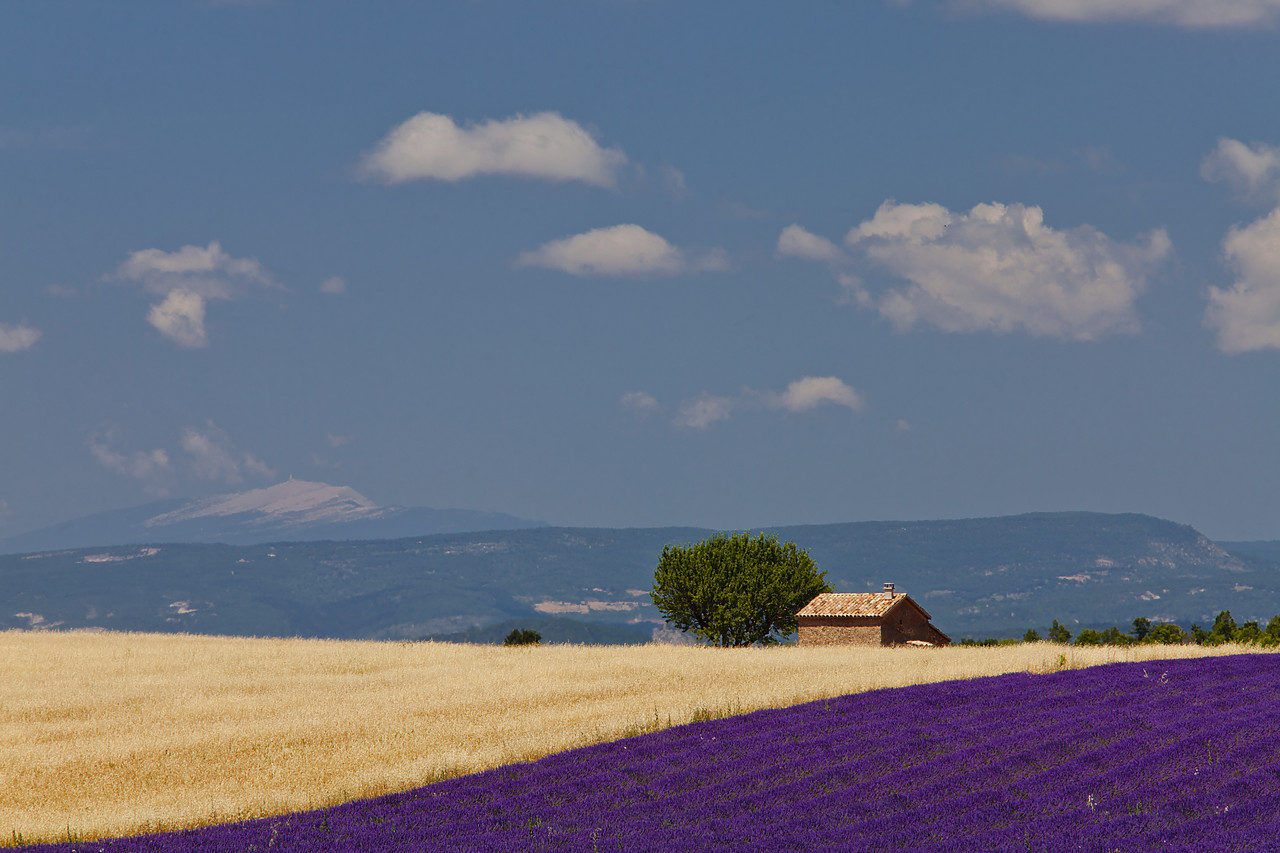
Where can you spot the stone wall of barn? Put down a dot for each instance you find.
(839, 631)
(905, 623)
(901, 625)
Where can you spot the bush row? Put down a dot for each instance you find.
(1144, 630)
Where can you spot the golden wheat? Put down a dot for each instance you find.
(116, 734)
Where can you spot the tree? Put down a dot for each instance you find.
(522, 637)
(1141, 627)
(736, 590)
(1059, 633)
(1272, 635)
(1113, 637)
(1032, 636)
(1223, 630)
(1249, 633)
(1089, 637)
(1165, 633)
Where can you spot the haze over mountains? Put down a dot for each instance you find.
(295, 510)
(977, 577)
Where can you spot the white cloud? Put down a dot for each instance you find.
(795, 242)
(188, 279)
(619, 251)
(998, 268)
(544, 145)
(151, 467)
(1252, 170)
(704, 411)
(17, 338)
(802, 395)
(214, 457)
(180, 318)
(638, 400)
(1185, 13)
(673, 182)
(334, 285)
(813, 391)
(1247, 316)
(204, 270)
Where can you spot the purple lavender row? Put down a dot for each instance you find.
(1174, 755)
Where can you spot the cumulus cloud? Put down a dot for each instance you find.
(214, 457)
(544, 145)
(1207, 14)
(151, 467)
(795, 242)
(204, 270)
(1252, 170)
(17, 338)
(802, 395)
(621, 250)
(813, 391)
(1247, 316)
(639, 401)
(180, 318)
(702, 412)
(999, 268)
(187, 280)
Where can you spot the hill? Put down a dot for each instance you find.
(977, 577)
(295, 511)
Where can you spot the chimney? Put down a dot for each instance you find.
(888, 590)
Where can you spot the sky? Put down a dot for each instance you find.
(634, 263)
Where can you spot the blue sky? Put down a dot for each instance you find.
(632, 262)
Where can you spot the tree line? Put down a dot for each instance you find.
(1145, 631)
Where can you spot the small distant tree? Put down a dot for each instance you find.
(522, 637)
(1032, 636)
(736, 590)
(1165, 633)
(1141, 627)
(1249, 633)
(1089, 637)
(1272, 635)
(1223, 630)
(1199, 635)
(1059, 633)
(1113, 637)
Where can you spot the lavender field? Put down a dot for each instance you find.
(1179, 755)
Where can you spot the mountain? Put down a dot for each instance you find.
(296, 510)
(992, 577)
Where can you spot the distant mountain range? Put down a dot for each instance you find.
(985, 577)
(295, 510)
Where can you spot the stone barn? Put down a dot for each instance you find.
(867, 619)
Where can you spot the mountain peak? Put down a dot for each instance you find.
(290, 502)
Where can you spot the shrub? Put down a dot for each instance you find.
(522, 637)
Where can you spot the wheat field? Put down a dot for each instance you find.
(117, 734)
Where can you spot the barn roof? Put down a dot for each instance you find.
(855, 604)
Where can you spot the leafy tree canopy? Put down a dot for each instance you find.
(1165, 633)
(735, 590)
(1059, 633)
(522, 637)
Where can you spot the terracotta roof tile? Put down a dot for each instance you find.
(851, 604)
